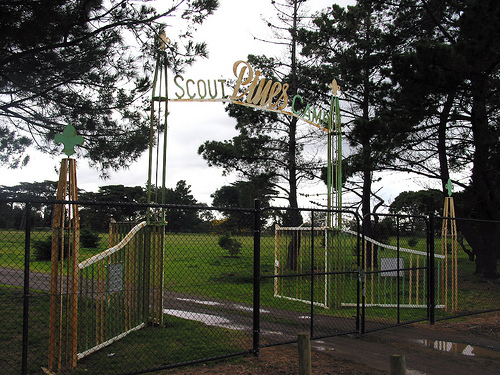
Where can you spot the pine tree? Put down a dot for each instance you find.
(270, 143)
(84, 63)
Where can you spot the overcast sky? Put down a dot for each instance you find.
(229, 34)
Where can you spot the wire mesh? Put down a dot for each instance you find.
(214, 298)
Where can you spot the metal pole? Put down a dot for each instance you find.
(397, 268)
(256, 278)
(312, 275)
(151, 143)
(358, 283)
(164, 161)
(26, 296)
(431, 271)
(329, 168)
(338, 169)
(362, 278)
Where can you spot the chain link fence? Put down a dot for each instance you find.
(214, 283)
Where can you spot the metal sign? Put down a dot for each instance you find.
(252, 90)
(115, 277)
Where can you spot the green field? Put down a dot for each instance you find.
(183, 341)
(194, 264)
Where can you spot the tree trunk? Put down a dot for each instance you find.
(485, 240)
(372, 250)
(443, 157)
(294, 216)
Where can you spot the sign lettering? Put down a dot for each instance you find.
(261, 92)
(253, 90)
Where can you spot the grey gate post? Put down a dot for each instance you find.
(256, 278)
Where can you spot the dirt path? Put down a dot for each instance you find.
(470, 346)
(456, 348)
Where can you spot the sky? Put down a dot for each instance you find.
(229, 34)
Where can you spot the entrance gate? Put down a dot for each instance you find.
(381, 279)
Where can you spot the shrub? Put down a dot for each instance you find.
(412, 242)
(43, 249)
(230, 244)
(89, 239)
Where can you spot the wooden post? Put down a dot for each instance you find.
(74, 254)
(450, 269)
(304, 340)
(61, 352)
(54, 316)
(398, 364)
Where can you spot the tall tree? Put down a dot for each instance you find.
(451, 68)
(242, 194)
(182, 219)
(86, 63)
(41, 213)
(98, 217)
(417, 203)
(354, 46)
(269, 142)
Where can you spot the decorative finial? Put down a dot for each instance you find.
(449, 187)
(335, 87)
(69, 139)
(162, 38)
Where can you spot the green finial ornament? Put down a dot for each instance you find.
(449, 187)
(69, 139)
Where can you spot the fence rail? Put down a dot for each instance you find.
(151, 298)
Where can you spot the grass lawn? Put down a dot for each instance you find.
(181, 341)
(196, 265)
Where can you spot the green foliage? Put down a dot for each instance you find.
(77, 62)
(242, 194)
(412, 241)
(13, 215)
(182, 219)
(353, 46)
(137, 351)
(43, 249)
(269, 143)
(418, 202)
(97, 217)
(230, 244)
(89, 239)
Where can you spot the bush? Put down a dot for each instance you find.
(43, 249)
(230, 244)
(89, 239)
(412, 242)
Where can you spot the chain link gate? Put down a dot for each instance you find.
(316, 271)
(397, 260)
(236, 298)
